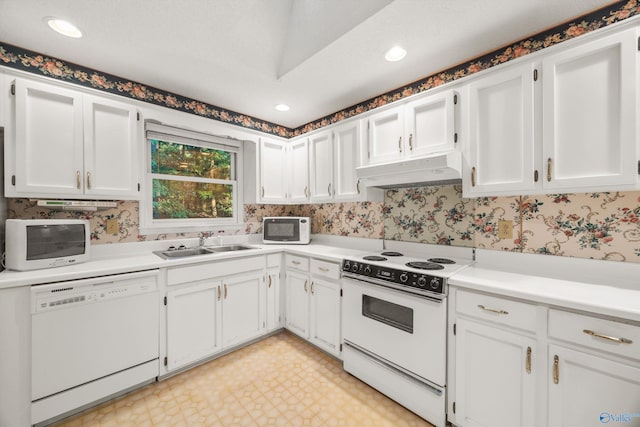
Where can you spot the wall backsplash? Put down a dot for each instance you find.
(586, 225)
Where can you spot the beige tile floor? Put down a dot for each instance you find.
(279, 381)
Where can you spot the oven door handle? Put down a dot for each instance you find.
(391, 367)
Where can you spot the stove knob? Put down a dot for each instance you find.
(404, 277)
(434, 283)
(347, 266)
(367, 269)
(422, 281)
(354, 267)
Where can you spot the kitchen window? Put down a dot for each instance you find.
(192, 181)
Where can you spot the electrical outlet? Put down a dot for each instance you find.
(112, 226)
(505, 229)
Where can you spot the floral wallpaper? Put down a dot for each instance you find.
(33, 62)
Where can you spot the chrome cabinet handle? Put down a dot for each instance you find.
(78, 180)
(306, 191)
(225, 291)
(473, 176)
(269, 281)
(311, 288)
(528, 362)
(549, 167)
(607, 337)
(556, 369)
(329, 189)
(262, 192)
(88, 180)
(219, 293)
(400, 144)
(492, 310)
(410, 142)
(305, 286)
(358, 185)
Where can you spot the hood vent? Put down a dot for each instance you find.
(437, 169)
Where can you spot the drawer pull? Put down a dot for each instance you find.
(323, 269)
(608, 337)
(556, 369)
(492, 310)
(295, 262)
(528, 362)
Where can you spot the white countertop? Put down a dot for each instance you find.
(602, 287)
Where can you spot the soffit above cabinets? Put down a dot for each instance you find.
(249, 55)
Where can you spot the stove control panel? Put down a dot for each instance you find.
(425, 282)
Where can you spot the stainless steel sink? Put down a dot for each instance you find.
(229, 248)
(181, 253)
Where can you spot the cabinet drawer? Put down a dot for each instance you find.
(326, 269)
(298, 262)
(601, 334)
(273, 260)
(498, 310)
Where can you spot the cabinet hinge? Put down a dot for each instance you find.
(455, 137)
(454, 407)
(535, 75)
(455, 99)
(138, 186)
(166, 361)
(165, 300)
(638, 43)
(13, 177)
(13, 88)
(340, 348)
(137, 116)
(638, 171)
(454, 329)
(264, 325)
(340, 292)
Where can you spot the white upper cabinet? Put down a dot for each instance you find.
(501, 138)
(272, 164)
(430, 124)
(386, 129)
(416, 129)
(71, 144)
(590, 114)
(298, 171)
(347, 147)
(321, 166)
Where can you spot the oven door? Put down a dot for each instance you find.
(402, 328)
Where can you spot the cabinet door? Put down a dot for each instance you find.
(495, 385)
(347, 144)
(321, 166)
(501, 135)
(49, 141)
(110, 148)
(193, 323)
(273, 299)
(325, 315)
(298, 154)
(385, 136)
(243, 315)
(431, 124)
(586, 390)
(589, 119)
(272, 165)
(297, 303)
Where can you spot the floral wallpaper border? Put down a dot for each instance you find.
(36, 63)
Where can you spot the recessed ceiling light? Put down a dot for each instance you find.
(396, 53)
(63, 27)
(282, 107)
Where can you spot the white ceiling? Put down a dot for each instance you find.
(318, 56)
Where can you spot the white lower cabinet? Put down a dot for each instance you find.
(520, 363)
(211, 307)
(313, 302)
(494, 380)
(193, 323)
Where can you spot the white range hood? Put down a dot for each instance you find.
(439, 168)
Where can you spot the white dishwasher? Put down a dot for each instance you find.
(92, 338)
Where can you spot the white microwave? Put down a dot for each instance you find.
(33, 244)
(294, 230)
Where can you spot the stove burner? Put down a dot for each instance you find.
(391, 254)
(441, 260)
(374, 258)
(423, 265)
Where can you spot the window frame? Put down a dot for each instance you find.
(149, 225)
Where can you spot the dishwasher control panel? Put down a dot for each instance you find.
(75, 293)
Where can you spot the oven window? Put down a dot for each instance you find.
(54, 241)
(391, 314)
